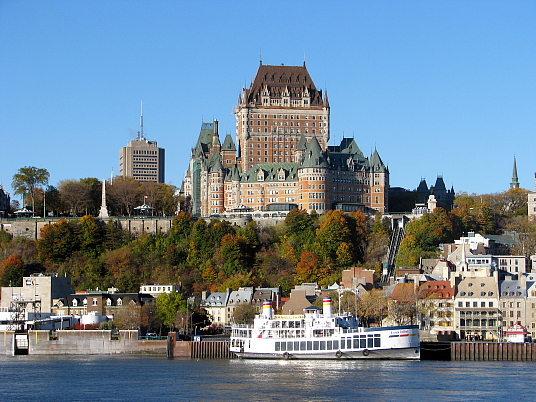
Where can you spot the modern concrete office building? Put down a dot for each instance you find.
(142, 159)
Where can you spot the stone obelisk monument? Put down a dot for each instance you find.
(103, 214)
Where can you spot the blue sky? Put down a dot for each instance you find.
(438, 87)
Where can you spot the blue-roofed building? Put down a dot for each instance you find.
(215, 304)
(236, 298)
(513, 302)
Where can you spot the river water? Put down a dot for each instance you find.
(135, 378)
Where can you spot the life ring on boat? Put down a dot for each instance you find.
(338, 354)
(286, 356)
(366, 352)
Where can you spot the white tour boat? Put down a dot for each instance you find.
(321, 336)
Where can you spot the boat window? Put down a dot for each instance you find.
(330, 345)
(303, 345)
(296, 345)
(370, 342)
(290, 346)
(283, 346)
(349, 343)
(315, 345)
(277, 347)
(309, 345)
(377, 341)
(356, 342)
(322, 345)
(363, 341)
(336, 345)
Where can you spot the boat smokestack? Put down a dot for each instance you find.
(326, 302)
(267, 309)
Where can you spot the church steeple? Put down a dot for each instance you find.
(515, 181)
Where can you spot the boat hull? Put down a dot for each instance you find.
(412, 353)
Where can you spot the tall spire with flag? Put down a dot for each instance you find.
(515, 181)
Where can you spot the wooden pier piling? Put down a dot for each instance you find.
(492, 351)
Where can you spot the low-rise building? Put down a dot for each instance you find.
(236, 298)
(215, 304)
(477, 312)
(440, 298)
(46, 289)
(157, 290)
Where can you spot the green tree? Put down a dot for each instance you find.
(108, 325)
(198, 248)
(236, 281)
(231, 251)
(167, 307)
(94, 186)
(91, 236)
(28, 180)
(52, 199)
(181, 227)
(298, 221)
(114, 236)
(333, 231)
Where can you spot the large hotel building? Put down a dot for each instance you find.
(281, 159)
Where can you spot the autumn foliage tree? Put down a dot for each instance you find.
(12, 271)
(372, 307)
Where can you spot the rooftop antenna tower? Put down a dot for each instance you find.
(141, 135)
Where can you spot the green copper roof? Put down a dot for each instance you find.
(272, 172)
(228, 144)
